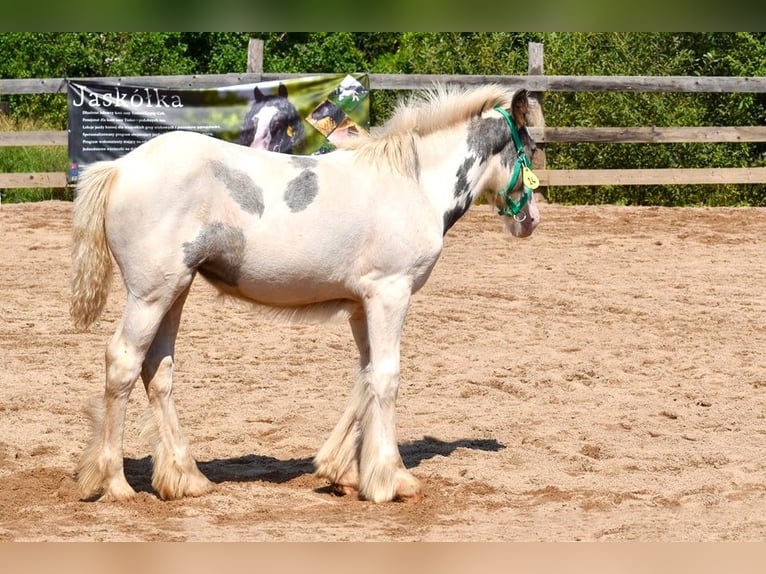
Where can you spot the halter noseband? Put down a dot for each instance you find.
(521, 165)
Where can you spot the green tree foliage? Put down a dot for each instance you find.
(88, 54)
(464, 53)
(655, 54)
(450, 53)
(216, 52)
(315, 52)
(84, 54)
(339, 52)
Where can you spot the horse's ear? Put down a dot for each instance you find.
(258, 94)
(282, 90)
(520, 107)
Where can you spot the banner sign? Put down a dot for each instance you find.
(301, 116)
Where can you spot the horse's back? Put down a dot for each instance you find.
(178, 141)
(171, 166)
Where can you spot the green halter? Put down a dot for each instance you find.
(513, 208)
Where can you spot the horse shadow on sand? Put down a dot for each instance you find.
(255, 467)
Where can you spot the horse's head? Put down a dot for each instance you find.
(272, 123)
(515, 200)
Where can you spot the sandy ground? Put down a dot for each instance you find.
(603, 380)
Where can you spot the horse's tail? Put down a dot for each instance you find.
(91, 259)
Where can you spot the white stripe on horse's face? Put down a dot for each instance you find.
(262, 125)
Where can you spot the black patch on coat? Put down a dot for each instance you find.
(451, 216)
(488, 136)
(303, 161)
(463, 185)
(240, 186)
(302, 190)
(217, 253)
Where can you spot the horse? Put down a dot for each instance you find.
(351, 234)
(272, 122)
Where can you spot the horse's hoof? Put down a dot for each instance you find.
(408, 488)
(412, 498)
(342, 490)
(199, 487)
(191, 485)
(123, 493)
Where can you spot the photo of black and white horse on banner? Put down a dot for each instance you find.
(272, 122)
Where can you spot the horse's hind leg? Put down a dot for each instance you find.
(100, 472)
(338, 459)
(175, 472)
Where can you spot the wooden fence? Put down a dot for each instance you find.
(536, 82)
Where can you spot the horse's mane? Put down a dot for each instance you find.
(421, 114)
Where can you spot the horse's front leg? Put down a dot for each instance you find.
(382, 476)
(338, 459)
(175, 472)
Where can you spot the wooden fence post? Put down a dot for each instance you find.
(536, 117)
(255, 56)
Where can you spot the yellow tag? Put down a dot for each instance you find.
(529, 178)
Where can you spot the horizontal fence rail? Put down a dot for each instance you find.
(548, 178)
(738, 134)
(536, 83)
(33, 138)
(541, 83)
(663, 176)
(54, 179)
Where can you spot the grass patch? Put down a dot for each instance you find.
(31, 159)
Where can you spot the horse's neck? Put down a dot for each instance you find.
(451, 173)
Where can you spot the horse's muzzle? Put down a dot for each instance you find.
(523, 224)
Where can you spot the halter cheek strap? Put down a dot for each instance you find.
(522, 162)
